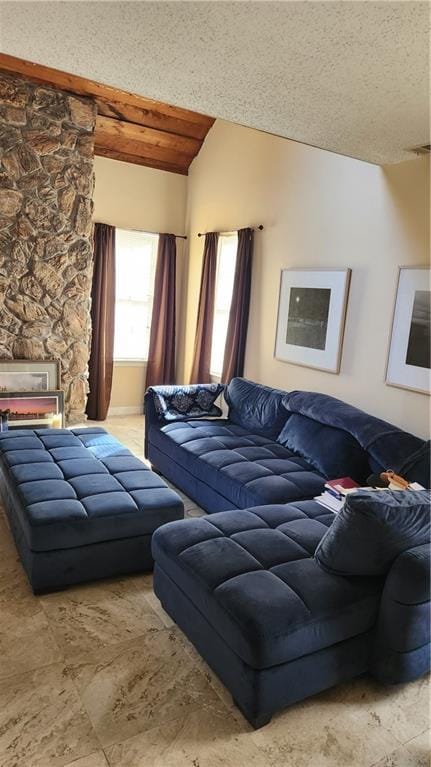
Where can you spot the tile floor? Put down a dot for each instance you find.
(99, 676)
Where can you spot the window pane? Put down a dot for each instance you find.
(135, 263)
(226, 260)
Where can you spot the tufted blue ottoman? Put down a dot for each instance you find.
(80, 505)
(275, 627)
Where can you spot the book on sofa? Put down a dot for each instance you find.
(342, 486)
(330, 501)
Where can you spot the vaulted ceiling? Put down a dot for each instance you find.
(351, 77)
(128, 127)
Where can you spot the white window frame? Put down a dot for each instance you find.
(229, 242)
(135, 361)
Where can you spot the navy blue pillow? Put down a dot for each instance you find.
(255, 407)
(333, 452)
(372, 529)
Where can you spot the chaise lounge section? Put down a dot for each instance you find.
(246, 589)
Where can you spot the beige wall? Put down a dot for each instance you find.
(135, 197)
(324, 210)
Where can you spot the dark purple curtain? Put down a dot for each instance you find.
(102, 319)
(204, 326)
(161, 356)
(236, 337)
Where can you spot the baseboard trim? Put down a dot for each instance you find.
(126, 410)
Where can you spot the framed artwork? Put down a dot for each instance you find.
(29, 375)
(311, 314)
(32, 409)
(409, 359)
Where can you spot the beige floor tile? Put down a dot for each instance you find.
(42, 721)
(33, 648)
(323, 732)
(9, 557)
(6, 539)
(133, 687)
(97, 759)
(26, 639)
(97, 615)
(403, 710)
(210, 676)
(135, 445)
(195, 511)
(143, 582)
(158, 609)
(14, 584)
(189, 503)
(416, 753)
(200, 739)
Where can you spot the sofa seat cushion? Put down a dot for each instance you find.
(251, 573)
(247, 469)
(75, 488)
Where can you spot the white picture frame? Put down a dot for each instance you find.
(29, 375)
(408, 363)
(311, 317)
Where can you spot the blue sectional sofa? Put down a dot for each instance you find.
(276, 447)
(80, 505)
(245, 585)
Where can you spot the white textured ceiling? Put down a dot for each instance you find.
(351, 77)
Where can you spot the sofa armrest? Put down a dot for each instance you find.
(164, 404)
(401, 650)
(151, 417)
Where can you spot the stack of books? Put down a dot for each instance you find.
(335, 492)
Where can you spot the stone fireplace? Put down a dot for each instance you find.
(46, 187)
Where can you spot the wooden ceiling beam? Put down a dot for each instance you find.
(106, 127)
(153, 118)
(113, 102)
(149, 162)
(141, 149)
(129, 127)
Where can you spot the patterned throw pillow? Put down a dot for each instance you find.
(176, 403)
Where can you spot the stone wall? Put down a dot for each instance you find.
(46, 187)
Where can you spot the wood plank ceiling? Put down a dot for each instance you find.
(130, 128)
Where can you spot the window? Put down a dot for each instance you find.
(135, 265)
(226, 260)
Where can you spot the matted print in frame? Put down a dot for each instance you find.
(311, 315)
(409, 358)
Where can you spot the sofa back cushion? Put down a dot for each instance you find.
(255, 407)
(416, 468)
(388, 446)
(372, 529)
(333, 452)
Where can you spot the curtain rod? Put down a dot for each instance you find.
(145, 231)
(202, 234)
